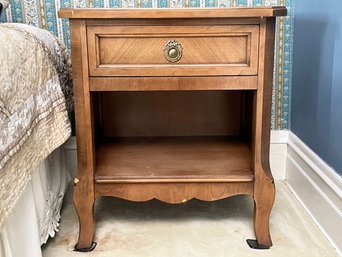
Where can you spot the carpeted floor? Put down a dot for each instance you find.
(195, 228)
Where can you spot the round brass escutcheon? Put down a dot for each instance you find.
(173, 51)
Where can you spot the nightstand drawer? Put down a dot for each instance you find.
(173, 50)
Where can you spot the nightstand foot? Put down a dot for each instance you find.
(88, 249)
(255, 245)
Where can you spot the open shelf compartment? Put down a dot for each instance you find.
(173, 159)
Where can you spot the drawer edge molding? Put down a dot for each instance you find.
(173, 83)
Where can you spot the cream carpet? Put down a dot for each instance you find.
(195, 228)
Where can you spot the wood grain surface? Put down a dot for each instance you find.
(84, 195)
(227, 49)
(176, 113)
(173, 83)
(186, 13)
(174, 192)
(139, 50)
(264, 189)
(173, 159)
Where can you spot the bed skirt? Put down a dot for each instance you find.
(36, 216)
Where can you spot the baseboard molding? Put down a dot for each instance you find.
(318, 188)
(70, 144)
(278, 151)
(70, 148)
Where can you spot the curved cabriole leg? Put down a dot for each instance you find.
(84, 205)
(84, 195)
(264, 189)
(264, 196)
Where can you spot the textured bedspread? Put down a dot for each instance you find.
(35, 93)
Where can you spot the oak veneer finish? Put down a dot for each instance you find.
(207, 50)
(162, 13)
(225, 49)
(176, 113)
(174, 159)
(174, 192)
(172, 83)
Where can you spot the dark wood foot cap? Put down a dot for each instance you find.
(84, 250)
(255, 245)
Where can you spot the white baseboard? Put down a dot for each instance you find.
(318, 188)
(71, 155)
(278, 150)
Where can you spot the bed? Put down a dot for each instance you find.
(35, 99)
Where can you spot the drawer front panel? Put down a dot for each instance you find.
(173, 51)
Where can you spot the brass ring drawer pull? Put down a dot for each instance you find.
(173, 51)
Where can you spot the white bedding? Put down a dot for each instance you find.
(35, 94)
(37, 213)
(35, 91)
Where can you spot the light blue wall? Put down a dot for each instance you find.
(317, 78)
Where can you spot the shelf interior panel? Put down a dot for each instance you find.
(171, 113)
(173, 159)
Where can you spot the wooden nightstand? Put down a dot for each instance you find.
(173, 104)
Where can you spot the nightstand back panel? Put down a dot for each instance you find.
(171, 113)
